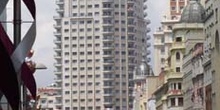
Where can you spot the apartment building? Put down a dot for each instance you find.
(98, 44)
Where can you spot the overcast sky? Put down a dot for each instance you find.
(44, 42)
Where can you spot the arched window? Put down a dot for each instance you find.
(217, 41)
(177, 56)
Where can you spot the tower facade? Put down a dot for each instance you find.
(98, 44)
(163, 36)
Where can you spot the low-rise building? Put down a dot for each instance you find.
(48, 98)
(145, 84)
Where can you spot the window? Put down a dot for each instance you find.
(217, 41)
(178, 39)
(180, 101)
(81, 22)
(179, 86)
(216, 15)
(67, 92)
(89, 6)
(67, 101)
(162, 50)
(96, 21)
(172, 102)
(96, 13)
(74, 30)
(96, 5)
(67, 108)
(66, 30)
(177, 56)
(162, 60)
(66, 22)
(173, 8)
(177, 69)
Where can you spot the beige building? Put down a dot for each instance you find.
(192, 29)
(145, 84)
(193, 79)
(162, 43)
(207, 51)
(212, 50)
(47, 98)
(98, 44)
(163, 36)
(186, 33)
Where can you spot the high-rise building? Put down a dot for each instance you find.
(98, 44)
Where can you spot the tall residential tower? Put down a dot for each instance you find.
(98, 44)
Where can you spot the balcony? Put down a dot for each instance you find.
(147, 21)
(107, 0)
(131, 32)
(177, 45)
(148, 37)
(57, 41)
(174, 92)
(107, 24)
(148, 52)
(109, 79)
(148, 30)
(138, 78)
(145, 6)
(57, 64)
(158, 44)
(108, 8)
(107, 47)
(109, 94)
(131, 24)
(130, 9)
(57, 49)
(145, 14)
(57, 34)
(60, 10)
(57, 18)
(131, 1)
(59, 2)
(108, 32)
(58, 80)
(148, 45)
(108, 55)
(108, 86)
(107, 15)
(57, 26)
(148, 60)
(57, 72)
(57, 56)
(108, 62)
(108, 70)
(108, 39)
(131, 16)
(174, 75)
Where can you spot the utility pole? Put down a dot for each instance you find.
(17, 40)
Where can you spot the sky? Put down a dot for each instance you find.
(43, 46)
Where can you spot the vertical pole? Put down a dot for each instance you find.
(17, 22)
(17, 39)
